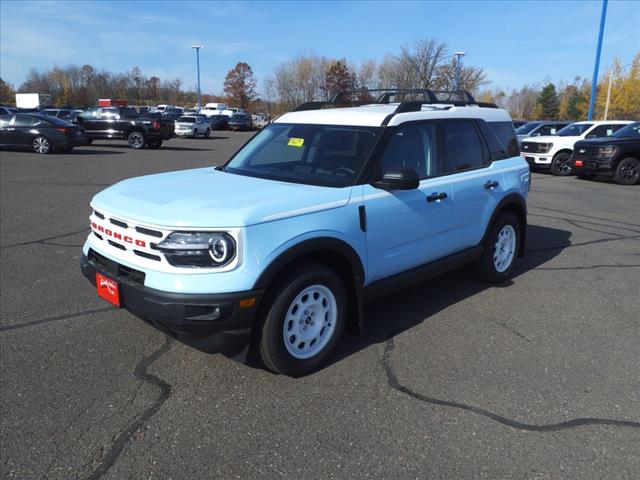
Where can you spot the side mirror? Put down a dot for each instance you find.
(398, 179)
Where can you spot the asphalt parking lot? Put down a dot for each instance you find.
(538, 378)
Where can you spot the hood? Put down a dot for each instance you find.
(208, 198)
(594, 142)
(552, 138)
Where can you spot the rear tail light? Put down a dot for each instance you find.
(62, 129)
(155, 124)
(579, 163)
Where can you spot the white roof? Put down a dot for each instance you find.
(373, 115)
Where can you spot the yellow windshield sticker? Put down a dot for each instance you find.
(296, 142)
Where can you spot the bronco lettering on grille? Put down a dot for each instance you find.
(118, 236)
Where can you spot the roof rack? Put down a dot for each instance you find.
(429, 97)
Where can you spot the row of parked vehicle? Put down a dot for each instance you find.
(585, 149)
(60, 129)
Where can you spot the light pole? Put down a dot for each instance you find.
(594, 83)
(458, 56)
(606, 108)
(197, 48)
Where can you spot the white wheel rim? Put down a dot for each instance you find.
(310, 322)
(505, 248)
(41, 144)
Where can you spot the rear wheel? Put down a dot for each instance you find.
(560, 165)
(304, 317)
(500, 250)
(136, 140)
(628, 172)
(41, 145)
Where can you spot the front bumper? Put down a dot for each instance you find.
(594, 167)
(214, 323)
(538, 160)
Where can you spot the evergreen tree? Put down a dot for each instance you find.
(574, 103)
(549, 103)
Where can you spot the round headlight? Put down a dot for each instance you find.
(220, 249)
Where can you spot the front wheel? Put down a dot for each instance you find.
(136, 140)
(207, 133)
(628, 172)
(304, 318)
(560, 165)
(500, 249)
(41, 145)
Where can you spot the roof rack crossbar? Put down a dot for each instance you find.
(458, 98)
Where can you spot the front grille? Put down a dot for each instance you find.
(586, 152)
(118, 223)
(118, 271)
(533, 147)
(148, 231)
(147, 255)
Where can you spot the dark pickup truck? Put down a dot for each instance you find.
(124, 123)
(617, 156)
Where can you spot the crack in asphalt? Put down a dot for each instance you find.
(583, 244)
(123, 438)
(585, 216)
(44, 240)
(576, 223)
(57, 318)
(589, 267)
(395, 384)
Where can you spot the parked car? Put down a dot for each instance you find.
(554, 152)
(111, 123)
(260, 120)
(57, 112)
(192, 126)
(162, 108)
(213, 109)
(540, 129)
(218, 122)
(519, 123)
(241, 122)
(6, 110)
(617, 156)
(40, 133)
(282, 245)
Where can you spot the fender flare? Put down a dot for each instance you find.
(355, 287)
(511, 199)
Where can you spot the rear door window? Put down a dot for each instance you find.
(602, 131)
(463, 148)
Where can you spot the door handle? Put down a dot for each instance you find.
(491, 184)
(436, 196)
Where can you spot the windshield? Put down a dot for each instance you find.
(629, 131)
(237, 118)
(325, 155)
(526, 128)
(574, 130)
(187, 120)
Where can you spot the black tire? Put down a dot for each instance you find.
(486, 267)
(269, 334)
(136, 139)
(154, 143)
(195, 133)
(560, 165)
(628, 171)
(585, 176)
(41, 145)
(90, 141)
(207, 134)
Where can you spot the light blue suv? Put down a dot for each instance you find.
(319, 212)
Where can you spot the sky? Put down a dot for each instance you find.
(516, 43)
